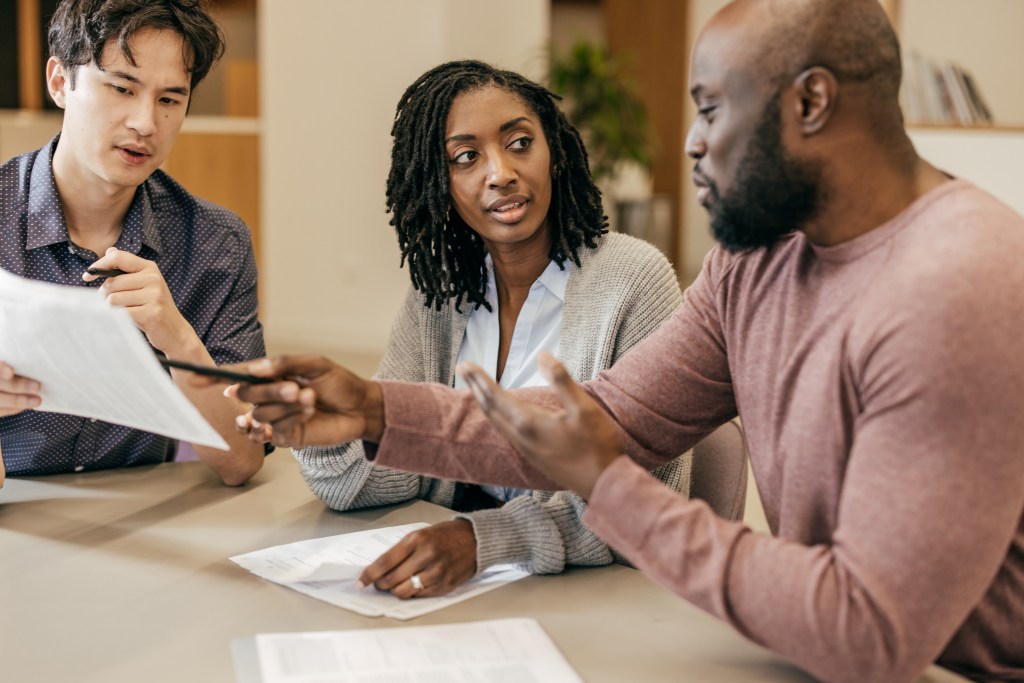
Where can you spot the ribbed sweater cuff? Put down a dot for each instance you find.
(503, 537)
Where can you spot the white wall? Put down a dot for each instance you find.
(991, 159)
(331, 75)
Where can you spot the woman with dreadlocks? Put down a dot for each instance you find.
(504, 234)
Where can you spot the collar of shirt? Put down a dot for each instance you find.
(46, 224)
(538, 328)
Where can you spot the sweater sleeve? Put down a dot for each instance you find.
(340, 475)
(544, 532)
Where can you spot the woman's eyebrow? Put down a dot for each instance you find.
(462, 137)
(508, 124)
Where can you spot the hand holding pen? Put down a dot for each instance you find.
(137, 285)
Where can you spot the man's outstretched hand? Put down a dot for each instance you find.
(572, 447)
(312, 402)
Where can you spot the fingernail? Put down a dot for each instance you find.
(289, 392)
(261, 364)
(230, 390)
(240, 422)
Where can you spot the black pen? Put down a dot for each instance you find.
(214, 371)
(105, 272)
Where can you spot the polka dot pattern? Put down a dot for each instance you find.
(205, 255)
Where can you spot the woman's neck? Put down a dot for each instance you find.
(517, 267)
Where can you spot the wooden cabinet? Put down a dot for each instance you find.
(218, 159)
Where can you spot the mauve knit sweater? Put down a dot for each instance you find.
(880, 385)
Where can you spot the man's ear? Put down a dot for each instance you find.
(817, 92)
(57, 81)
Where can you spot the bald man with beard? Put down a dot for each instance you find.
(861, 314)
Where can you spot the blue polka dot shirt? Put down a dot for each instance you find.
(205, 255)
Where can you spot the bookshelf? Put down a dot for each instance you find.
(981, 37)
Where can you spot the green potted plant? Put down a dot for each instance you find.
(601, 101)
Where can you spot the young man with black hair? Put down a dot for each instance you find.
(124, 71)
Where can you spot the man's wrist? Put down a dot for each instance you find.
(188, 347)
(373, 412)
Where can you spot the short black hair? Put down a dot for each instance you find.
(80, 29)
(445, 256)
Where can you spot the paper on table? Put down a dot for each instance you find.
(92, 361)
(476, 652)
(308, 567)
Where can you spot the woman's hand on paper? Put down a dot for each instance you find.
(442, 556)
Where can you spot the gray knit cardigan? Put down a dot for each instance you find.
(622, 291)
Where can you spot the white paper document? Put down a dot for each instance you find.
(92, 361)
(328, 569)
(477, 652)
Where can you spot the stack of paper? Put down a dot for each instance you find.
(479, 652)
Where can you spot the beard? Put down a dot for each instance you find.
(775, 195)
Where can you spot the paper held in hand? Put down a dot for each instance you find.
(92, 361)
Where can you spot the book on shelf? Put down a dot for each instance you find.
(942, 93)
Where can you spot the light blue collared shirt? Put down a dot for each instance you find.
(538, 328)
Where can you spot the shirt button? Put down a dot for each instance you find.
(92, 419)
(79, 468)
(71, 249)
